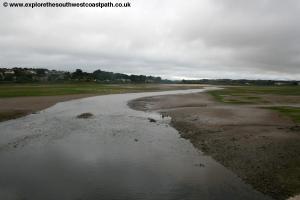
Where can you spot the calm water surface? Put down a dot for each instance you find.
(118, 154)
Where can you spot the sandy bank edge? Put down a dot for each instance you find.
(265, 153)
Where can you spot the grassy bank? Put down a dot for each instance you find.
(263, 95)
(253, 94)
(257, 144)
(292, 112)
(21, 90)
(17, 100)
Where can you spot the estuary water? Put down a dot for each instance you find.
(118, 154)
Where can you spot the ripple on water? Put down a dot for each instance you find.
(116, 154)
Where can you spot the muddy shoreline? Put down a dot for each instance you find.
(19, 106)
(117, 153)
(257, 144)
(12, 108)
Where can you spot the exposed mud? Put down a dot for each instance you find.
(12, 108)
(117, 154)
(259, 145)
(85, 116)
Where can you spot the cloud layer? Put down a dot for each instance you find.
(170, 38)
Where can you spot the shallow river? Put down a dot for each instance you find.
(117, 154)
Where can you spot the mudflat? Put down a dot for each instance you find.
(17, 100)
(15, 107)
(98, 148)
(260, 145)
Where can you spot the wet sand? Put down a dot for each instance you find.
(15, 107)
(259, 145)
(12, 108)
(116, 153)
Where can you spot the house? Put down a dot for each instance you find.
(32, 72)
(9, 72)
(280, 83)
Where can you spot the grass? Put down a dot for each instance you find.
(279, 90)
(292, 112)
(286, 176)
(36, 90)
(18, 90)
(252, 94)
(258, 94)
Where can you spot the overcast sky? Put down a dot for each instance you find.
(170, 38)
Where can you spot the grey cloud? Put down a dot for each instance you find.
(171, 38)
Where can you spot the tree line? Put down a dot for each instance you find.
(242, 82)
(29, 75)
(39, 75)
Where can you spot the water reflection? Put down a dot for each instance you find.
(117, 154)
